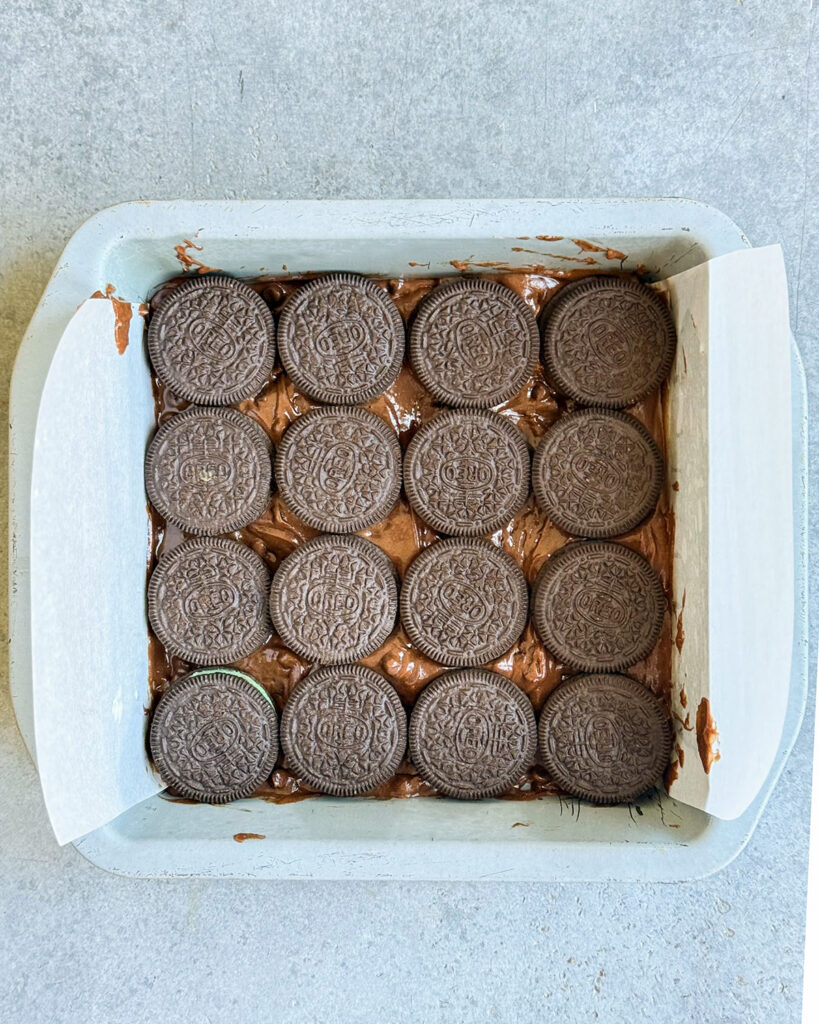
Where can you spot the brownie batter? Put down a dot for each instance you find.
(529, 538)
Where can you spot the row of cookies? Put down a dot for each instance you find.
(606, 341)
(215, 734)
(597, 605)
(595, 473)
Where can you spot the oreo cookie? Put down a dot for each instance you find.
(214, 735)
(212, 341)
(341, 339)
(464, 602)
(472, 734)
(339, 469)
(605, 738)
(597, 473)
(598, 606)
(608, 341)
(473, 343)
(208, 471)
(344, 730)
(334, 599)
(207, 601)
(467, 473)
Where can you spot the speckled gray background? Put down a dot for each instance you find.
(712, 99)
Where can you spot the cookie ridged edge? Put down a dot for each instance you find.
(254, 563)
(495, 679)
(337, 412)
(539, 612)
(258, 438)
(597, 533)
(550, 339)
(419, 325)
(390, 767)
(266, 707)
(431, 553)
(290, 361)
(568, 784)
(438, 524)
(276, 606)
(189, 393)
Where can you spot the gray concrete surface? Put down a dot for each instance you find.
(159, 99)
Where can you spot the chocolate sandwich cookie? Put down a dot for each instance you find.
(598, 606)
(605, 738)
(473, 343)
(214, 735)
(208, 471)
(472, 734)
(344, 730)
(341, 339)
(467, 473)
(207, 601)
(212, 341)
(597, 473)
(339, 469)
(464, 602)
(334, 599)
(608, 341)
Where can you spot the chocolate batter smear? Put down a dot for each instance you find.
(529, 538)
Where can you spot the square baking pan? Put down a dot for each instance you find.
(78, 609)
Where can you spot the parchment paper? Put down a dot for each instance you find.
(88, 564)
